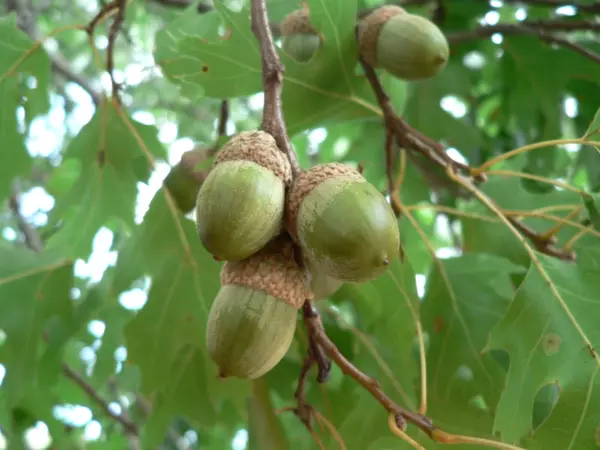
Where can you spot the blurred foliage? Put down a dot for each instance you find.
(120, 292)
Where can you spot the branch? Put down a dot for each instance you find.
(129, 426)
(539, 28)
(272, 79)
(527, 27)
(112, 37)
(60, 64)
(35, 243)
(32, 238)
(223, 118)
(315, 328)
(412, 139)
(586, 7)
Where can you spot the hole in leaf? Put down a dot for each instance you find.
(479, 402)
(543, 404)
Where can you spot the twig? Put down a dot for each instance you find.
(272, 79)
(35, 243)
(586, 7)
(407, 136)
(32, 238)
(223, 118)
(542, 243)
(106, 9)
(540, 29)
(60, 65)
(127, 424)
(315, 328)
(412, 139)
(531, 27)
(112, 37)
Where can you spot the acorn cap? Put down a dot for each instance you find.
(297, 22)
(307, 181)
(272, 270)
(258, 147)
(368, 31)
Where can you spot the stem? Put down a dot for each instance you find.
(266, 431)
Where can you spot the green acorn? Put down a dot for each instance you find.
(345, 226)
(240, 204)
(252, 321)
(408, 46)
(184, 180)
(300, 39)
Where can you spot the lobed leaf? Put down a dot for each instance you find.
(550, 332)
(111, 164)
(19, 55)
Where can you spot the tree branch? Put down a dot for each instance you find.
(412, 139)
(129, 426)
(526, 27)
(35, 243)
(60, 64)
(272, 79)
(112, 37)
(539, 29)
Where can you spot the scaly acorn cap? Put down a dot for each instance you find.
(273, 270)
(345, 226)
(368, 31)
(297, 22)
(252, 321)
(300, 39)
(407, 46)
(240, 205)
(258, 147)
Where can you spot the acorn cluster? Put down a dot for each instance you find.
(408, 46)
(250, 213)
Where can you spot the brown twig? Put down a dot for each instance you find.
(106, 9)
(527, 27)
(32, 238)
(113, 33)
(540, 29)
(35, 243)
(413, 139)
(128, 424)
(223, 118)
(407, 136)
(593, 7)
(315, 328)
(542, 243)
(272, 79)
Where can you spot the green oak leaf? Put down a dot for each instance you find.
(166, 339)
(112, 163)
(592, 205)
(325, 89)
(458, 317)
(34, 291)
(20, 55)
(550, 332)
(385, 310)
(509, 193)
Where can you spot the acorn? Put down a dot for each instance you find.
(241, 203)
(407, 46)
(184, 179)
(300, 39)
(252, 321)
(345, 226)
